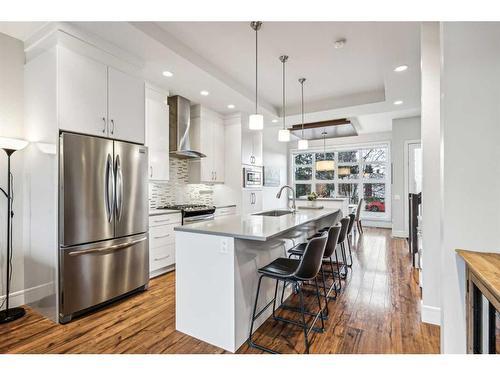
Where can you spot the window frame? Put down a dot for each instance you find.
(360, 181)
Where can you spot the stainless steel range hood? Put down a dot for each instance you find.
(179, 125)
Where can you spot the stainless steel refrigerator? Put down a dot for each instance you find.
(103, 222)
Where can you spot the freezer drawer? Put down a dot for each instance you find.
(95, 273)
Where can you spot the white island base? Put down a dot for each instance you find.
(216, 271)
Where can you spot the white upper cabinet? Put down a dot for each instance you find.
(157, 130)
(125, 107)
(96, 99)
(82, 93)
(251, 147)
(208, 138)
(219, 150)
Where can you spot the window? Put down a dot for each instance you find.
(363, 172)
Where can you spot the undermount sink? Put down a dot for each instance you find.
(274, 213)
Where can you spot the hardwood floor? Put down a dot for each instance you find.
(378, 311)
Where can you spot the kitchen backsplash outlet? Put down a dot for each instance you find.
(177, 190)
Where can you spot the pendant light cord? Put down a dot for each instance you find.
(302, 92)
(256, 67)
(284, 93)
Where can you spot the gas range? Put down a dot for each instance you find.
(192, 212)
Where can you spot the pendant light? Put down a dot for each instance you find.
(284, 134)
(256, 121)
(303, 144)
(325, 165)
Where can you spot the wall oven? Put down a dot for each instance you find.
(252, 177)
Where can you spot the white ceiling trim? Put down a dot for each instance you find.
(182, 50)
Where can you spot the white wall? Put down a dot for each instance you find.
(275, 154)
(11, 125)
(431, 185)
(403, 130)
(470, 134)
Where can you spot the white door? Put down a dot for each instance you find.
(246, 147)
(157, 120)
(219, 150)
(82, 94)
(247, 202)
(252, 201)
(414, 182)
(415, 168)
(257, 201)
(257, 140)
(125, 107)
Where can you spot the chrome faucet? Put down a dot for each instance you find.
(294, 207)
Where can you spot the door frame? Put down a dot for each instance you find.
(406, 171)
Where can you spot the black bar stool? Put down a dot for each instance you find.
(294, 271)
(349, 236)
(344, 223)
(331, 244)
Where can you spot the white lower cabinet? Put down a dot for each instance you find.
(162, 243)
(252, 201)
(160, 258)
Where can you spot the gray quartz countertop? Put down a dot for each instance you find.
(256, 227)
(324, 199)
(155, 211)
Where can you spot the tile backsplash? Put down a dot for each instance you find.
(178, 190)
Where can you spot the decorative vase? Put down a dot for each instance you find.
(312, 203)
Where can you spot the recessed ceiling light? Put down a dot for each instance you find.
(340, 43)
(166, 73)
(230, 106)
(398, 102)
(274, 121)
(400, 68)
(204, 92)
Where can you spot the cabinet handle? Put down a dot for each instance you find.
(104, 128)
(151, 171)
(162, 221)
(159, 237)
(161, 258)
(113, 126)
(215, 176)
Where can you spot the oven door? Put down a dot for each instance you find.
(252, 177)
(197, 218)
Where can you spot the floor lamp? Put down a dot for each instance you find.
(10, 145)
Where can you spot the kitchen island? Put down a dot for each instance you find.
(216, 270)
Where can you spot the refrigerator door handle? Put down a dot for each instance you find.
(110, 188)
(119, 188)
(107, 248)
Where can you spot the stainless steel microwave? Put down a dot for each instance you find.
(252, 177)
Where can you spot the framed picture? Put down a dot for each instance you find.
(272, 176)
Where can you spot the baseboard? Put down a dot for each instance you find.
(376, 223)
(29, 295)
(399, 234)
(430, 314)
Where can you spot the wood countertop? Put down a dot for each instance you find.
(486, 266)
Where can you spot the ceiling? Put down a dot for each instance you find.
(359, 69)
(21, 30)
(356, 81)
